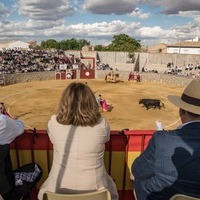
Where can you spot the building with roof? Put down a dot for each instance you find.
(185, 47)
(158, 48)
(15, 45)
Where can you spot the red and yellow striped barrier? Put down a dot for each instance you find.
(123, 147)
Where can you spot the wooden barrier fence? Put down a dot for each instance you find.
(124, 146)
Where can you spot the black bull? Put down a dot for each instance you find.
(151, 103)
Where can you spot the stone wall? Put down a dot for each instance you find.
(166, 79)
(113, 57)
(151, 77)
(28, 77)
(159, 61)
(100, 74)
(150, 61)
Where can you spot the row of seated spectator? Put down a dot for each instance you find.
(181, 70)
(149, 71)
(21, 61)
(103, 66)
(189, 67)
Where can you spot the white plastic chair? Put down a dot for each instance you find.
(103, 194)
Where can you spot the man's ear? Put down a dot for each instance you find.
(181, 112)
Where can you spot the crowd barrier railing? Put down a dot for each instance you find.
(124, 146)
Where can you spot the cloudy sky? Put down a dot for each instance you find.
(151, 21)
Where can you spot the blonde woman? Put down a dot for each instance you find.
(78, 133)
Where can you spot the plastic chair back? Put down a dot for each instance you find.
(103, 194)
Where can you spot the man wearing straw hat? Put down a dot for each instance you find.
(171, 162)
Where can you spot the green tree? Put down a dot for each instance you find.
(51, 43)
(38, 47)
(64, 45)
(98, 48)
(73, 44)
(123, 42)
(82, 43)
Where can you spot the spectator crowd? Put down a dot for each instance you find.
(20, 61)
(188, 70)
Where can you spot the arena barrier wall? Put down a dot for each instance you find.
(87, 73)
(124, 146)
(70, 74)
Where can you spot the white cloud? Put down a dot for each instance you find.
(154, 32)
(50, 18)
(192, 14)
(175, 7)
(45, 9)
(139, 14)
(110, 6)
(94, 30)
(128, 6)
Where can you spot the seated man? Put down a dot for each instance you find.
(170, 163)
(9, 130)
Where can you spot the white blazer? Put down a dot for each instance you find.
(78, 159)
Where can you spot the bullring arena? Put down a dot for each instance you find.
(34, 102)
(33, 97)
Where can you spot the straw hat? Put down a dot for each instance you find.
(190, 99)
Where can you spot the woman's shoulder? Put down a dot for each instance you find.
(102, 120)
(53, 119)
(103, 123)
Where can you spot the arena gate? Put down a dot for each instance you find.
(124, 146)
(87, 73)
(68, 74)
(87, 70)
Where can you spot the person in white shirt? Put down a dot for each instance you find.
(9, 130)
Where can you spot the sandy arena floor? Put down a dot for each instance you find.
(35, 102)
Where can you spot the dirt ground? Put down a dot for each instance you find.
(35, 102)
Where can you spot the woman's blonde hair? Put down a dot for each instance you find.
(78, 106)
